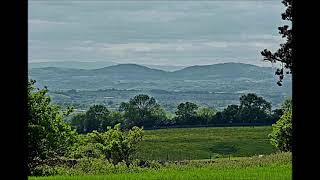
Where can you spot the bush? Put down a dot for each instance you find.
(44, 170)
(281, 136)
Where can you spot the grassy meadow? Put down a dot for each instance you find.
(204, 143)
(274, 166)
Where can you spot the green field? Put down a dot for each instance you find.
(193, 153)
(203, 143)
(275, 166)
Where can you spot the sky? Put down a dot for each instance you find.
(180, 33)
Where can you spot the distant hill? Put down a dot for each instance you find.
(72, 64)
(225, 70)
(94, 65)
(129, 71)
(165, 67)
(226, 77)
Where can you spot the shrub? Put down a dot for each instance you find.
(281, 136)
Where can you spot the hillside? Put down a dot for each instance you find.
(213, 85)
(229, 77)
(73, 64)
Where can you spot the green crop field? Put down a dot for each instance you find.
(203, 143)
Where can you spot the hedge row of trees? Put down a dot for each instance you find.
(143, 111)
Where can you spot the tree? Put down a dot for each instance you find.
(276, 115)
(281, 135)
(95, 117)
(186, 113)
(117, 145)
(287, 104)
(112, 119)
(254, 108)
(78, 121)
(230, 114)
(98, 117)
(140, 111)
(205, 114)
(284, 54)
(49, 136)
(160, 116)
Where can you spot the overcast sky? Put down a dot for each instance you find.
(154, 32)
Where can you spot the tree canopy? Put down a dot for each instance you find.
(186, 113)
(142, 110)
(48, 135)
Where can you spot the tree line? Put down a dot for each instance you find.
(144, 111)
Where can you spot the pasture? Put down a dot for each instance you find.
(204, 143)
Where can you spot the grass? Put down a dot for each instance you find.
(194, 153)
(275, 166)
(204, 143)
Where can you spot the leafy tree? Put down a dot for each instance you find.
(98, 117)
(49, 136)
(117, 145)
(276, 114)
(77, 121)
(160, 116)
(254, 108)
(284, 54)
(186, 113)
(141, 110)
(205, 115)
(95, 117)
(230, 114)
(281, 135)
(112, 119)
(287, 104)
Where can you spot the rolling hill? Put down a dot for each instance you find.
(226, 77)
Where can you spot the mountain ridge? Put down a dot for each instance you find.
(223, 77)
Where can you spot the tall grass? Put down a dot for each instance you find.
(275, 166)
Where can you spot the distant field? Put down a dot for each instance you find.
(275, 166)
(203, 143)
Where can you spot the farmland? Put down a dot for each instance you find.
(203, 143)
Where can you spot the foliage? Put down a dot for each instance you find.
(142, 110)
(205, 115)
(287, 104)
(186, 113)
(117, 145)
(254, 108)
(284, 54)
(274, 166)
(78, 121)
(229, 115)
(98, 117)
(281, 136)
(49, 136)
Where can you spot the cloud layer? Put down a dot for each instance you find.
(176, 33)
